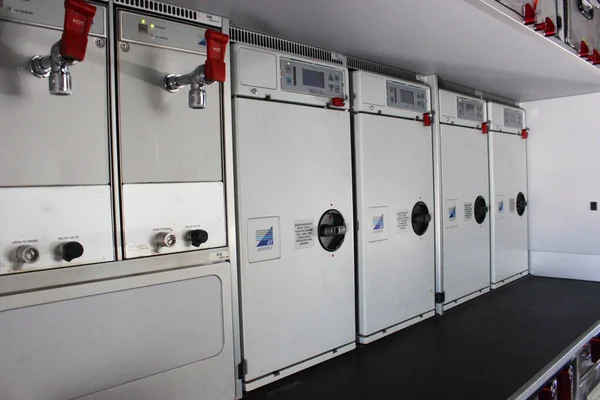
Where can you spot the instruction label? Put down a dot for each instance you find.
(137, 248)
(304, 233)
(512, 204)
(468, 215)
(401, 221)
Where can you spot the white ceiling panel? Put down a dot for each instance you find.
(464, 41)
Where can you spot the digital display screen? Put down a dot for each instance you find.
(313, 78)
(512, 118)
(407, 96)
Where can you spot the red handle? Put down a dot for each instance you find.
(78, 22)
(214, 68)
(427, 119)
(594, 57)
(595, 347)
(485, 128)
(584, 50)
(529, 14)
(547, 26)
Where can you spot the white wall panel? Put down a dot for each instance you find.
(563, 154)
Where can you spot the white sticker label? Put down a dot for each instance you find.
(451, 209)
(500, 206)
(402, 221)
(218, 256)
(304, 233)
(512, 204)
(136, 249)
(468, 208)
(137, 246)
(376, 223)
(263, 239)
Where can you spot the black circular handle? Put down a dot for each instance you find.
(198, 237)
(420, 218)
(521, 204)
(481, 209)
(71, 251)
(332, 230)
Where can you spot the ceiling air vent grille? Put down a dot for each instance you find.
(269, 42)
(370, 66)
(158, 7)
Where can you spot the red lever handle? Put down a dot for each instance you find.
(485, 128)
(529, 14)
(78, 22)
(584, 50)
(547, 26)
(214, 68)
(594, 57)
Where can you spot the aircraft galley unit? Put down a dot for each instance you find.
(234, 206)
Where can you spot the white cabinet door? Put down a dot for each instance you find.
(466, 242)
(394, 172)
(293, 165)
(509, 229)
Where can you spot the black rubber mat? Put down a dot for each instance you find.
(485, 349)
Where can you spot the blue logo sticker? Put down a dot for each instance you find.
(501, 206)
(452, 212)
(264, 237)
(378, 223)
(202, 42)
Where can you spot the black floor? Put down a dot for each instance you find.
(485, 349)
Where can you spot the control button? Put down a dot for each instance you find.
(338, 89)
(288, 69)
(331, 87)
(198, 237)
(71, 251)
(288, 80)
(331, 77)
(337, 77)
(165, 239)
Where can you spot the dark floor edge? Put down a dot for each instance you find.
(529, 388)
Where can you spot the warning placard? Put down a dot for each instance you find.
(468, 215)
(512, 204)
(304, 233)
(401, 221)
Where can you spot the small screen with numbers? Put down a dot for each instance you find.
(313, 78)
